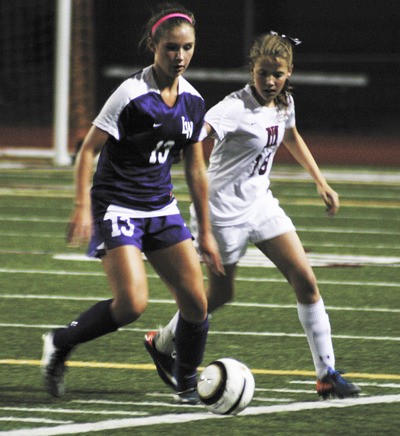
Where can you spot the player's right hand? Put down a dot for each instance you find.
(80, 226)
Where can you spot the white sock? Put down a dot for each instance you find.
(165, 338)
(315, 322)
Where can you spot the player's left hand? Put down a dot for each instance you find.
(331, 199)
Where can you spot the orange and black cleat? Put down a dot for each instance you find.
(335, 386)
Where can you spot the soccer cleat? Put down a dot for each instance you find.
(53, 367)
(189, 396)
(334, 385)
(164, 362)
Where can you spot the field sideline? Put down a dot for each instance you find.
(112, 386)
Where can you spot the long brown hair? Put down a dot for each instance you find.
(281, 49)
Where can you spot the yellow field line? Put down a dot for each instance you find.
(147, 367)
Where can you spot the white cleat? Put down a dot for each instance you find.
(53, 367)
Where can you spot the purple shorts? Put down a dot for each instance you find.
(147, 234)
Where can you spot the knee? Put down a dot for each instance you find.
(128, 310)
(218, 297)
(194, 311)
(221, 289)
(306, 288)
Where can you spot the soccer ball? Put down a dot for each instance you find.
(226, 386)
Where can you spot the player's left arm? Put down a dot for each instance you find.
(196, 177)
(299, 150)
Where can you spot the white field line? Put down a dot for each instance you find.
(33, 420)
(32, 219)
(32, 235)
(71, 411)
(301, 335)
(368, 246)
(289, 391)
(320, 281)
(35, 207)
(154, 276)
(11, 296)
(216, 332)
(338, 176)
(181, 418)
(305, 200)
(341, 217)
(47, 219)
(136, 403)
(272, 400)
(33, 192)
(305, 243)
(380, 385)
(304, 191)
(56, 272)
(40, 218)
(309, 229)
(304, 194)
(279, 172)
(255, 258)
(341, 231)
(365, 384)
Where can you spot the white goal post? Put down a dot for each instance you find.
(62, 79)
(47, 78)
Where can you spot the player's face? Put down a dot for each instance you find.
(269, 77)
(173, 53)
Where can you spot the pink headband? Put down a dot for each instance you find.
(167, 17)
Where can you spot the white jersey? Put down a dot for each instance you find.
(247, 138)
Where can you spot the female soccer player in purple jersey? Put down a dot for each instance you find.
(248, 126)
(152, 116)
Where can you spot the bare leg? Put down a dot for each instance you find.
(125, 271)
(221, 288)
(127, 277)
(179, 267)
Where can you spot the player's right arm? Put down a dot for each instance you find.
(80, 224)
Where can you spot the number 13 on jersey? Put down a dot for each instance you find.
(161, 152)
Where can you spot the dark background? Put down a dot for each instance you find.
(358, 36)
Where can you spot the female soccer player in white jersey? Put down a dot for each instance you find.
(248, 126)
(142, 128)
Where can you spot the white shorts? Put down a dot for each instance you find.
(268, 221)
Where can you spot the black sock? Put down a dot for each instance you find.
(190, 342)
(95, 322)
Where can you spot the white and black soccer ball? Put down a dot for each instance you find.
(226, 386)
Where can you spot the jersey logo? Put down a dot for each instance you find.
(261, 162)
(272, 133)
(187, 128)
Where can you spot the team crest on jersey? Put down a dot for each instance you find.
(187, 128)
(272, 135)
